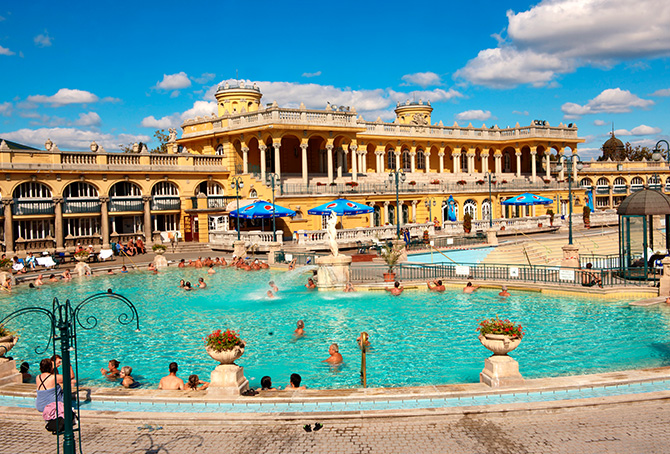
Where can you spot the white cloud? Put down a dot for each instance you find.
(199, 109)
(174, 81)
(71, 138)
(204, 78)
(88, 119)
(642, 130)
(587, 153)
(5, 51)
(6, 109)
(436, 95)
(663, 92)
(612, 100)
(65, 96)
(474, 115)
(599, 122)
(518, 112)
(162, 123)
(175, 94)
(424, 80)
(314, 74)
(557, 36)
(43, 40)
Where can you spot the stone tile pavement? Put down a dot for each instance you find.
(634, 427)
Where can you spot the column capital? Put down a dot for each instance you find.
(440, 153)
(518, 153)
(533, 151)
(353, 148)
(329, 147)
(104, 199)
(387, 203)
(304, 146)
(58, 199)
(415, 202)
(146, 198)
(7, 201)
(412, 152)
(262, 146)
(245, 149)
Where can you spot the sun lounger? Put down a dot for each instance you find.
(46, 262)
(105, 254)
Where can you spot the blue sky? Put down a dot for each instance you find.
(114, 74)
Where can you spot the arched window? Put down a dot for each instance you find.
(603, 186)
(298, 214)
(405, 214)
(636, 184)
(586, 183)
(32, 190)
(390, 159)
(667, 185)
(486, 209)
(125, 189)
(219, 150)
(377, 216)
(253, 194)
(507, 163)
(420, 160)
(80, 190)
(209, 188)
(165, 188)
(406, 161)
(470, 206)
(619, 186)
(392, 217)
(464, 163)
(654, 182)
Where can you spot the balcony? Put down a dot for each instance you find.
(602, 189)
(163, 203)
(619, 189)
(119, 204)
(72, 206)
(29, 207)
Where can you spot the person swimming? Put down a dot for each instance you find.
(201, 283)
(273, 286)
(300, 330)
(396, 289)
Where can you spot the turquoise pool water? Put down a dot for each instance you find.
(468, 256)
(418, 338)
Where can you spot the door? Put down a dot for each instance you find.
(188, 228)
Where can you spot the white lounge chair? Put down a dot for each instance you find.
(46, 262)
(105, 254)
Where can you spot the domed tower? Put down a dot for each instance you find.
(614, 148)
(413, 113)
(238, 97)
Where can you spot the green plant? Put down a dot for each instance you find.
(82, 254)
(497, 326)
(586, 213)
(223, 340)
(467, 222)
(550, 213)
(5, 263)
(391, 255)
(4, 331)
(159, 247)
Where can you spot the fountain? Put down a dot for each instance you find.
(333, 270)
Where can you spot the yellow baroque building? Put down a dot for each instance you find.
(54, 199)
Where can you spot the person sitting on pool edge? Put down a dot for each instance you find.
(266, 384)
(171, 381)
(436, 286)
(396, 289)
(335, 356)
(469, 288)
(504, 291)
(294, 383)
(589, 278)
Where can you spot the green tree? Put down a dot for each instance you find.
(162, 138)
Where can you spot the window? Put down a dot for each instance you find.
(32, 190)
(586, 183)
(253, 194)
(636, 184)
(165, 188)
(219, 150)
(507, 163)
(210, 188)
(464, 162)
(166, 222)
(390, 159)
(470, 206)
(420, 160)
(486, 209)
(82, 226)
(35, 229)
(405, 214)
(80, 190)
(125, 189)
(406, 161)
(377, 216)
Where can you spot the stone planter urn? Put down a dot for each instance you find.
(499, 344)
(6, 344)
(159, 251)
(226, 356)
(500, 369)
(81, 258)
(389, 277)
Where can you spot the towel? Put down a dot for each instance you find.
(47, 396)
(53, 411)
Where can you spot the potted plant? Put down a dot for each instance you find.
(467, 223)
(224, 346)
(461, 182)
(320, 184)
(159, 249)
(391, 256)
(412, 183)
(500, 336)
(503, 182)
(333, 184)
(480, 182)
(586, 215)
(546, 180)
(5, 264)
(550, 213)
(436, 181)
(8, 340)
(81, 255)
(353, 184)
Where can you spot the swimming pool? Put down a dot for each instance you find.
(419, 338)
(475, 255)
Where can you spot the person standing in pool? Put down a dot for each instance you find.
(128, 381)
(469, 288)
(504, 291)
(335, 356)
(310, 284)
(273, 286)
(266, 384)
(295, 383)
(171, 381)
(435, 286)
(396, 290)
(201, 283)
(300, 330)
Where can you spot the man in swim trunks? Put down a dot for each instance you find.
(469, 288)
(310, 284)
(335, 357)
(435, 286)
(396, 290)
(273, 286)
(171, 381)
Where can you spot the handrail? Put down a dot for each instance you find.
(440, 252)
(549, 251)
(131, 260)
(363, 343)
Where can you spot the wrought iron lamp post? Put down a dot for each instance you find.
(399, 177)
(271, 179)
(63, 319)
(657, 154)
(569, 162)
(430, 202)
(236, 183)
(492, 179)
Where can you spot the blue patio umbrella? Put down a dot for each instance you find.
(451, 208)
(589, 195)
(341, 207)
(527, 199)
(261, 209)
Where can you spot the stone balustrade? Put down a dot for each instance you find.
(512, 224)
(456, 132)
(366, 235)
(225, 239)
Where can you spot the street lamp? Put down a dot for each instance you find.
(237, 184)
(569, 160)
(270, 180)
(656, 154)
(399, 177)
(63, 320)
(492, 179)
(429, 203)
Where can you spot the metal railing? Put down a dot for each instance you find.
(447, 242)
(301, 258)
(81, 206)
(23, 207)
(117, 204)
(165, 203)
(600, 261)
(609, 277)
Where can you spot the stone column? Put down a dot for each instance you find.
(380, 161)
(304, 163)
(497, 157)
(548, 164)
(340, 161)
(263, 148)
(397, 159)
(386, 212)
(412, 161)
(354, 166)
(518, 164)
(471, 163)
(148, 237)
(329, 151)
(485, 162)
(372, 214)
(58, 223)
(414, 202)
(533, 163)
(574, 171)
(426, 156)
(277, 147)
(245, 159)
(441, 156)
(570, 256)
(7, 202)
(363, 157)
(457, 162)
(104, 221)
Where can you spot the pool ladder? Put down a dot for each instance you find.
(363, 343)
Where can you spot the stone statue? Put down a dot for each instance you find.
(173, 135)
(332, 233)
(418, 119)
